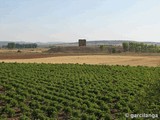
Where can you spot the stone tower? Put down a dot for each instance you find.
(82, 42)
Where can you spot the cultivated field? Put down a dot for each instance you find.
(88, 59)
(77, 92)
(41, 55)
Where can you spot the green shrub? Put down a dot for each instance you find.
(24, 117)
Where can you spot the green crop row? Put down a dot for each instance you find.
(73, 91)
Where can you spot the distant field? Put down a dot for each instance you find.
(39, 55)
(94, 59)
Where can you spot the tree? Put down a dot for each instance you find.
(132, 46)
(101, 47)
(11, 45)
(113, 50)
(125, 46)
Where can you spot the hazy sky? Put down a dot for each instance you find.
(69, 20)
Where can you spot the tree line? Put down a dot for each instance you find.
(13, 45)
(140, 47)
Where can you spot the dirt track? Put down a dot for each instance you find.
(95, 59)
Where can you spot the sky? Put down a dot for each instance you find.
(70, 20)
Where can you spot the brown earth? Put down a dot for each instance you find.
(39, 55)
(10, 56)
(92, 59)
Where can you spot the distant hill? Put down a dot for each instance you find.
(3, 43)
(107, 42)
(116, 42)
(89, 43)
(104, 42)
(40, 44)
(47, 44)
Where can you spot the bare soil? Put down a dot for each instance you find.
(39, 55)
(92, 59)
